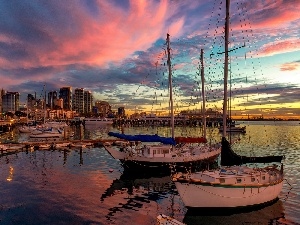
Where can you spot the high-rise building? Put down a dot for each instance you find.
(65, 93)
(82, 101)
(31, 101)
(78, 100)
(10, 102)
(88, 101)
(52, 96)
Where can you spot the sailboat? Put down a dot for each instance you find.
(27, 128)
(233, 185)
(179, 154)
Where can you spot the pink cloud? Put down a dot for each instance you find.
(113, 35)
(280, 20)
(120, 34)
(273, 14)
(277, 47)
(290, 66)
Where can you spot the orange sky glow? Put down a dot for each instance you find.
(106, 46)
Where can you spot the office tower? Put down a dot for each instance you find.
(65, 93)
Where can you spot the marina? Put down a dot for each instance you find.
(86, 185)
(150, 112)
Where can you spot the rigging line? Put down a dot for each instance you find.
(291, 187)
(231, 50)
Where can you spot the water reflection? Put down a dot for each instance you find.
(87, 186)
(10, 174)
(271, 214)
(138, 191)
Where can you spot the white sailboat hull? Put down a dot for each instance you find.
(140, 158)
(208, 196)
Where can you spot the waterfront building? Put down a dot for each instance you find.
(52, 96)
(104, 108)
(65, 93)
(82, 101)
(58, 103)
(88, 101)
(39, 104)
(31, 102)
(78, 100)
(10, 102)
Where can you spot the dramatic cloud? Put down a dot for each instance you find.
(278, 47)
(272, 14)
(117, 49)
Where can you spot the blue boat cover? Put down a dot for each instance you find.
(144, 138)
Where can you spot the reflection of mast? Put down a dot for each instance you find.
(65, 156)
(80, 157)
(172, 206)
(137, 191)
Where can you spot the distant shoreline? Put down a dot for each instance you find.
(267, 119)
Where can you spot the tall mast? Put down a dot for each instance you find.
(226, 68)
(170, 85)
(203, 95)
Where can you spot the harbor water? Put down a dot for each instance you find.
(88, 186)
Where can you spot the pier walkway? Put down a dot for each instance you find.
(13, 148)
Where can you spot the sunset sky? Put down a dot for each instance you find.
(116, 49)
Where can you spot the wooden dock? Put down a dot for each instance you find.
(13, 148)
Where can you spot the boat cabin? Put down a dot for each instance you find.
(151, 150)
(158, 151)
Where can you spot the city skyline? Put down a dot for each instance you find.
(116, 50)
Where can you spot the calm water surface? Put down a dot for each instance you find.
(89, 187)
